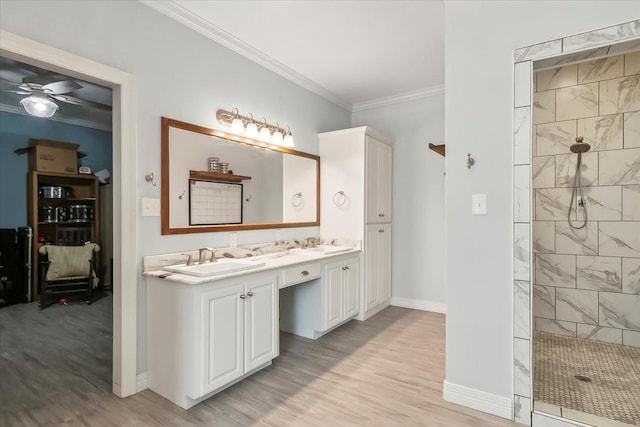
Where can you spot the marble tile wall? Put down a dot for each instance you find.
(586, 282)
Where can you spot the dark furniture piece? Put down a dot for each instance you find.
(67, 271)
(15, 265)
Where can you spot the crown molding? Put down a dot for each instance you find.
(58, 118)
(217, 34)
(398, 99)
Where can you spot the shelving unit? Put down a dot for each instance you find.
(217, 176)
(57, 231)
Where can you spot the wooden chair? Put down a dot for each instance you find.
(67, 271)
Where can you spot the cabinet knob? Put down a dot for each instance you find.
(250, 294)
(346, 267)
(242, 296)
(304, 273)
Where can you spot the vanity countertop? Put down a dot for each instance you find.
(271, 261)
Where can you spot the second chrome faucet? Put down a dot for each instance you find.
(202, 252)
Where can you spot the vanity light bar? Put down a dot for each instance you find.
(249, 127)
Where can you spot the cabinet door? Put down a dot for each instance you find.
(333, 295)
(222, 332)
(372, 174)
(351, 285)
(261, 317)
(372, 267)
(384, 261)
(378, 164)
(385, 161)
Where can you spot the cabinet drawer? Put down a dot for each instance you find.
(299, 274)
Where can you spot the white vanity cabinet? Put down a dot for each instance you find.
(341, 291)
(203, 338)
(377, 181)
(378, 259)
(356, 183)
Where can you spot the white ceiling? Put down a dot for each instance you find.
(355, 53)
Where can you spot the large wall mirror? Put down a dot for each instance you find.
(265, 186)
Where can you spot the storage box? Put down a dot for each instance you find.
(52, 156)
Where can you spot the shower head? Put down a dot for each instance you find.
(579, 146)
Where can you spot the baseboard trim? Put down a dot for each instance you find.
(419, 304)
(141, 382)
(477, 399)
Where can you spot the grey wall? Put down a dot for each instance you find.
(480, 39)
(181, 75)
(418, 196)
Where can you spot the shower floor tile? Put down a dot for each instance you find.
(614, 371)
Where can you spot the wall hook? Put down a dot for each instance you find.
(470, 161)
(149, 178)
(181, 195)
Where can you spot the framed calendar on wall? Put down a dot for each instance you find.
(214, 203)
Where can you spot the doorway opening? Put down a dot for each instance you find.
(124, 188)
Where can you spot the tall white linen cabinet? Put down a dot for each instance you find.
(356, 172)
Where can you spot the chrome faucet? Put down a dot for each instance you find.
(203, 251)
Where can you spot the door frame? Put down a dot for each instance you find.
(124, 85)
(552, 53)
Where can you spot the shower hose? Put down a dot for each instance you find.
(577, 190)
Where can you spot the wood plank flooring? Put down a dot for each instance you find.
(387, 371)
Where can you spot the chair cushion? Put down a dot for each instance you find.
(69, 261)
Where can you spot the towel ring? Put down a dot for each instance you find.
(341, 198)
(296, 200)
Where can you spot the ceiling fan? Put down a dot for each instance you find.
(44, 90)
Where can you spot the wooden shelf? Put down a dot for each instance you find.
(217, 176)
(440, 149)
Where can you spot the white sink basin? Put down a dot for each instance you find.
(224, 266)
(325, 250)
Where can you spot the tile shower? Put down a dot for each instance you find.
(587, 281)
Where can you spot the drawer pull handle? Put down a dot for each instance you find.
(304, 273)
(242, 296)
(346, 267)
(381, 215)
(249, 294)
(380, 231)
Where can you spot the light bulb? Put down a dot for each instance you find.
(265, 134)
(237, 126)
(288, 141)
(277, 137)
(252, 130)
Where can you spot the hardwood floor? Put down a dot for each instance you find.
(387, 371)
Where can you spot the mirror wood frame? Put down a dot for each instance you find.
(166, 125)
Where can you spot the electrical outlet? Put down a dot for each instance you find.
(581, 202)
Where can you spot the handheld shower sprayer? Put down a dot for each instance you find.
(578, 147)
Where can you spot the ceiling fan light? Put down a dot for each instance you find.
(39, 105)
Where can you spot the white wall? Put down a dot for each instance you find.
(299, 175)
(181, 75)
(418, 245)
(480, 39)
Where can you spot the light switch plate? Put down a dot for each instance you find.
(150, 207)
(478, 204)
